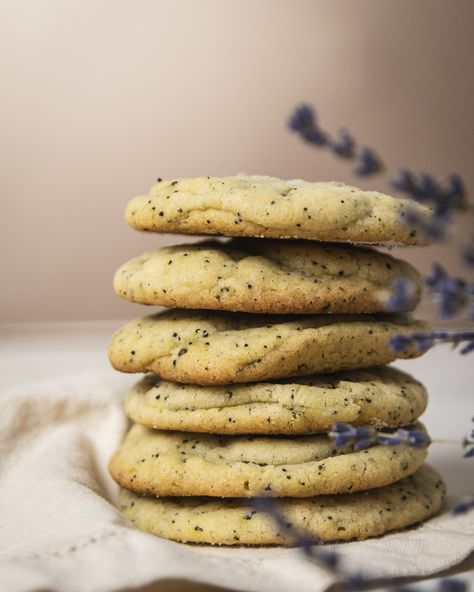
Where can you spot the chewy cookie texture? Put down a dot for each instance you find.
(327, 518)
(180, 464)
(284, 338)
(380, 396)
(224, 348)
(255, 275)
(272, 208)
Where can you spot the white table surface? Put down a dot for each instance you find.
(30, 353)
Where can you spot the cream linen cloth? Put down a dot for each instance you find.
(59, 529)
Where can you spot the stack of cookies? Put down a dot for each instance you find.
(269, 341)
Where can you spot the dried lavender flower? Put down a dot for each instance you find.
(344, 145)
(444, 197)
(468, 442)
(404, 181)
(403, 295)
(464, 506)
(307, 544)
(303, 121)
(452, 294)
(426, 340)
(368, 163)
(452, 585)
(344, 434)
(435, 227)
(422, 340)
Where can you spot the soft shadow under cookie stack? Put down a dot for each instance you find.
(269, 342)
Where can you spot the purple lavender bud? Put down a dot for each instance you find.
(402, 295)
(427, 188)
(363, 443)
(452, 296)
(423, 342)
(433, 227)
(399, 342)
(302, 118)
(345, 145)
(468, 348)
(341, 440)
(451, 293)
(404, 181)
(417, 439)
(452, 585)
(456, 192)
(463, 506)
(304, 122)
(362, 432)
(437, 276)
(340, 426)
(369, 163)
(441, 335)
(314, 136)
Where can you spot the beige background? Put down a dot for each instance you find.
(99, 97)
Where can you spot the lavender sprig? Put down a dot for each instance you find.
(307, 544)
(344, 434)
(303, 121)
(453, 294)
(426, 340)
(310, 546)
(435, 227)
(444, 197)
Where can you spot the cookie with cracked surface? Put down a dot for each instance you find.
(268, 207)
(327, 518)
(381, 397)
(205, 347)
(162, 463)
(269, 276)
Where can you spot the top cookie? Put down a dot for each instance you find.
(269, 207)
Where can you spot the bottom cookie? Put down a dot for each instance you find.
(326, 517)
